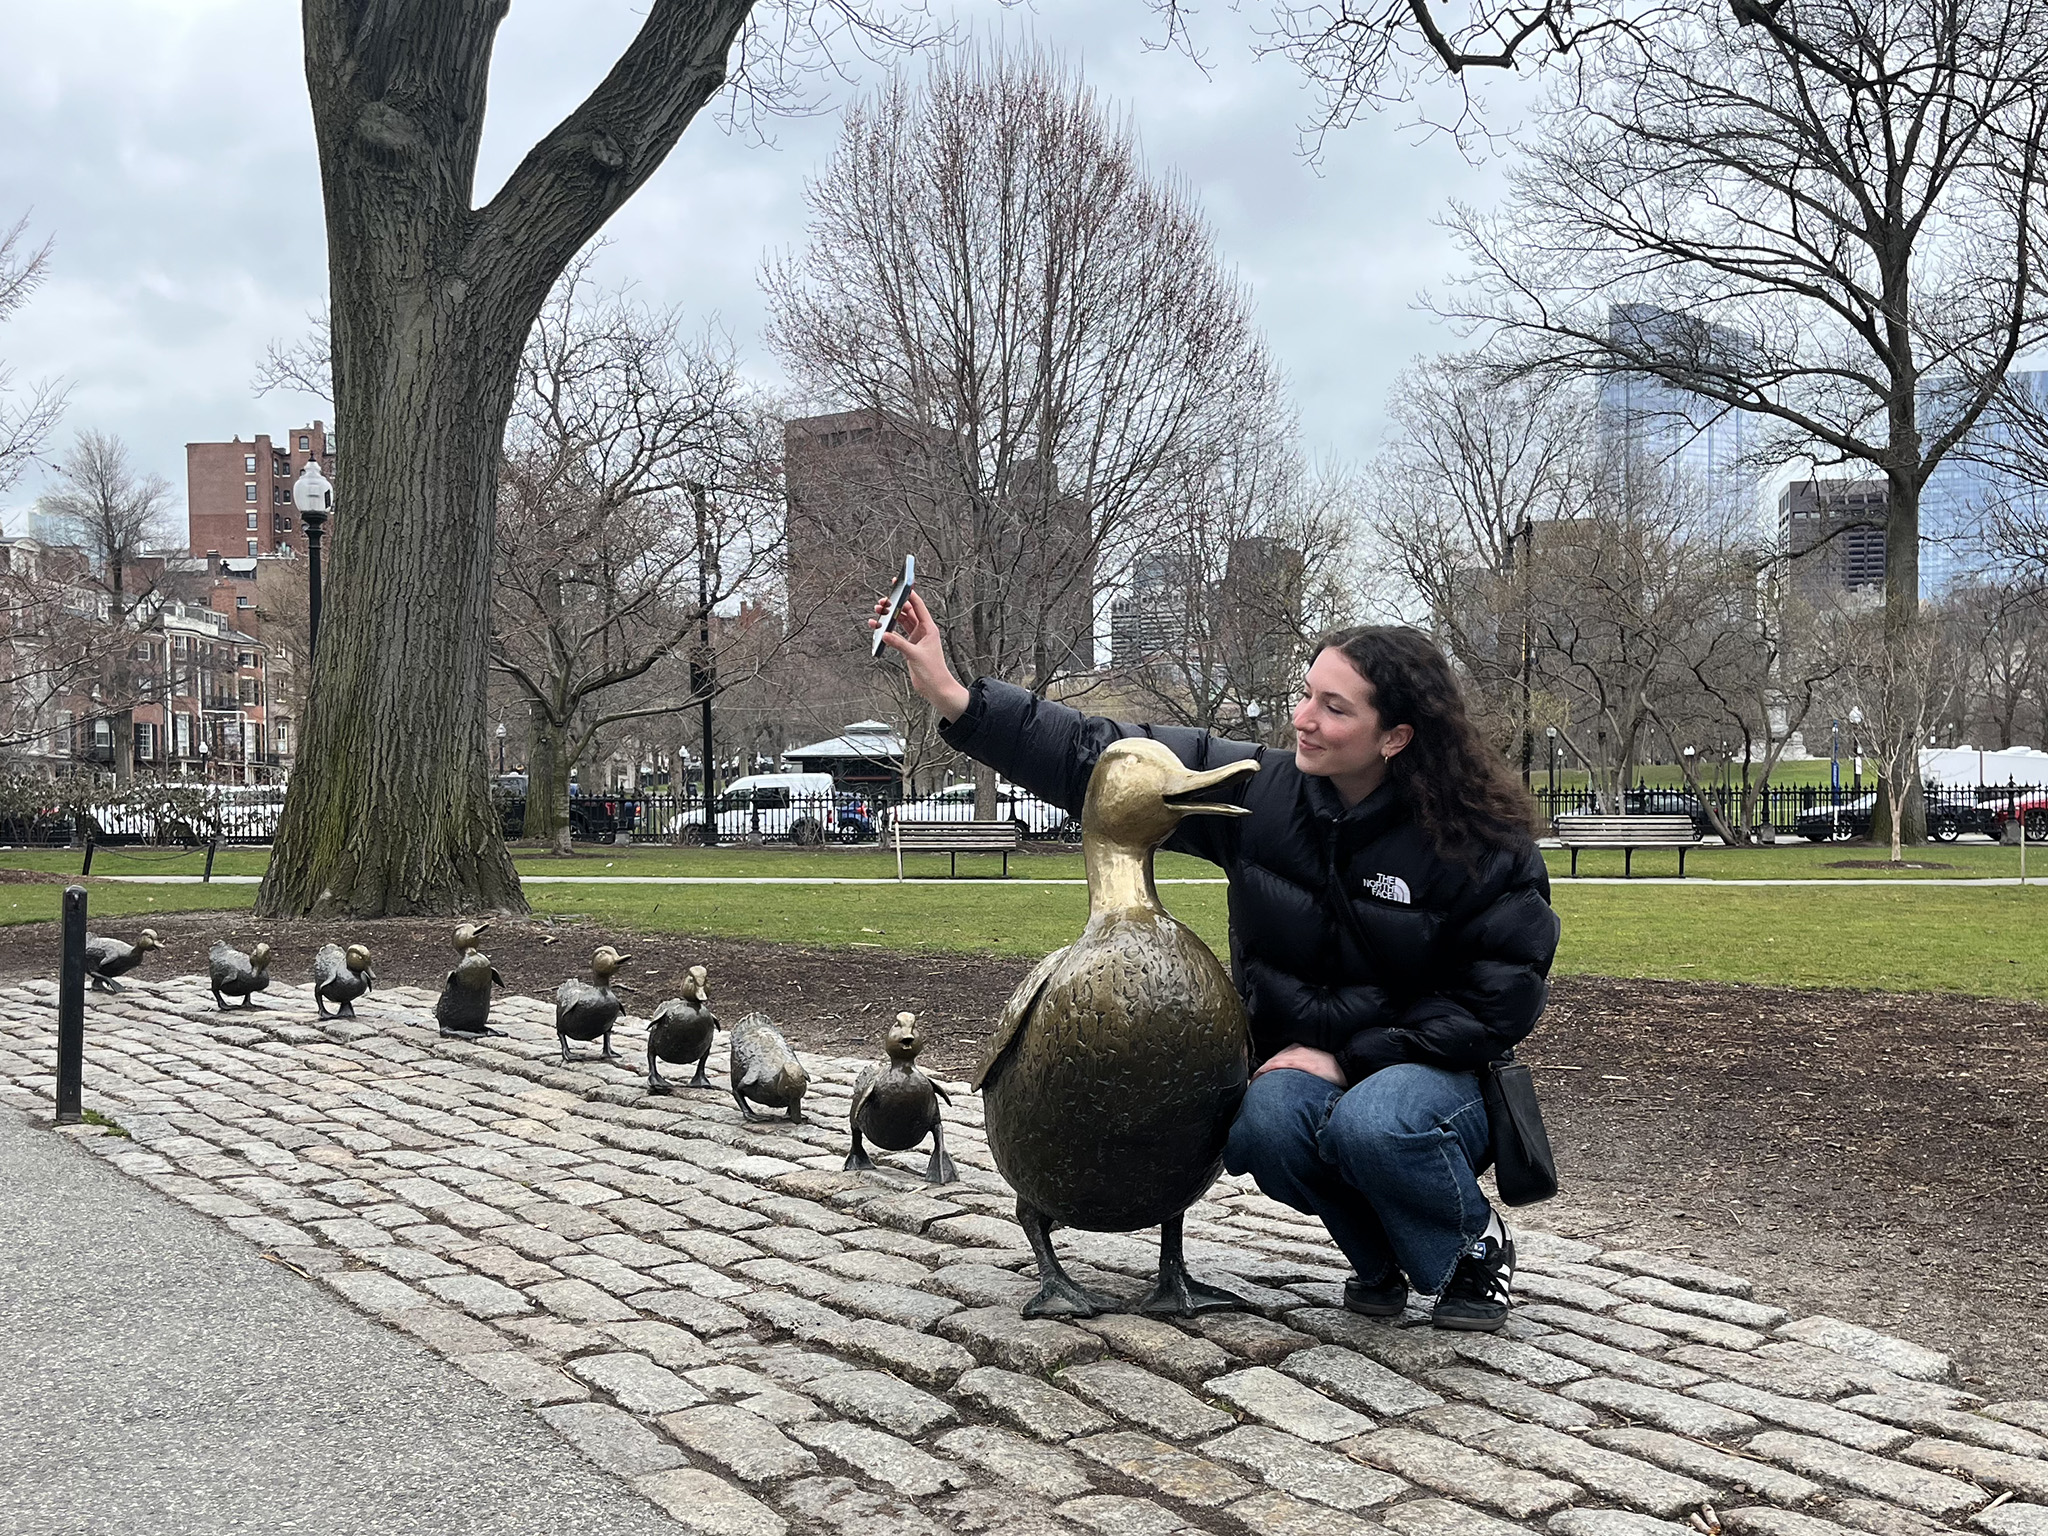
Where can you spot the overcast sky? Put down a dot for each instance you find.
(166, 146)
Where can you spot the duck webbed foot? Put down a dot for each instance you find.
(700, 1080)
(940, 1169)
(1178, 1294)
(858, 1161)
(1058, 1293)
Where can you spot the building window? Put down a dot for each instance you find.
(249, 464)
(305, 443)
(280, 736)
(249, 492)
(252, 549)
(252, 522)
(242, 602)
(145, 741)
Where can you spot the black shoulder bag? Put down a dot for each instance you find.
(1524, 1170)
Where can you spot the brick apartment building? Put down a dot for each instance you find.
(239, 494)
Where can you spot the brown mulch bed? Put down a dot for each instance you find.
(1871, 1155)
(1881, 864)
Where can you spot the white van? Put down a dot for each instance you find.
(798, 806)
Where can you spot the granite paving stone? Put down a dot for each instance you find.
(2001, 1471)
(1946, 1423)
(998, 1335)
(615, 1440)
(1931, 1493)
(699, 1501)
(883, 1456)
(1682, 1415)
(877, 1398)
(1045, 1470)
(1304, 1470)
(2013, 1520)
(743, 1443)
(1287, 1405)
(523, 1378)
(1272, 1513)
(1149, 1401)
(1895, 1355)
(636, 1382)
(1031, 1404)
(1742, 1474)
(1361, 1382)
(762, 1342)
(1441, 1517)
(1513, 1397)
(1170, 1470)
(1611, 1474)
(1469, 1475)
(1805, 1415)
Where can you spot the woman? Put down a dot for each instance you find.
(1390, 933)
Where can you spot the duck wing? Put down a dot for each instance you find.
(863, 1086)
(1016, 1013)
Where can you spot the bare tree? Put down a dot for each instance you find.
(1903, 689)
(612, 555)
(27, 418)
(115, 513)
(1037, 337)
(1828, 217)
(431, 299)
(1475, 463)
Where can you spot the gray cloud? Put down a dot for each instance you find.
(167, 146)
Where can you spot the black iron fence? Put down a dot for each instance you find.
(1818, 811)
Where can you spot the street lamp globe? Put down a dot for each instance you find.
(1856, 714)
(313, 495)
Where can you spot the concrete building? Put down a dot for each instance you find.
(1834, 530)
(1962, 500)
(1645, 420)
(239, 494)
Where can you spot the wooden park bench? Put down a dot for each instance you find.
(1577, 830)
(955, 838)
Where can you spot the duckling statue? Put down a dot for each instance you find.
(897, 1105)
(587, 1010)
(680, 1031)
(340, 976)
(237, 974)
(467, 934)
(1112, 1078)
(463, 1010)
(765, 1069)
(106, 959)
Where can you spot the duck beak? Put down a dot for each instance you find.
(1185, 790)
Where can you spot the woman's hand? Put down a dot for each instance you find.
(1304, 1058)
(916, 639)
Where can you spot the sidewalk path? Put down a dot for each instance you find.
(763, 1344)
(158, 1376)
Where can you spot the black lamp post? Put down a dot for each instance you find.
(501, 749)
(1551, 732)
(314, 497)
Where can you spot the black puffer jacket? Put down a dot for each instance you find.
(1453, 965)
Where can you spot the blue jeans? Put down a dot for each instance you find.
(1387, 1165)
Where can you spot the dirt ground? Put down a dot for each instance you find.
(1871, 1155)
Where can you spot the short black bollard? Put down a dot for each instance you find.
(71, 1011)
(88, 854)
(212, 847)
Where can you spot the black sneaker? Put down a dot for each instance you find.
(1389, 1298)
(1475, 1300)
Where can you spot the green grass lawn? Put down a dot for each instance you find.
(1935, 938)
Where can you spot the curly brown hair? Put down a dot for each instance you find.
(1461, 792)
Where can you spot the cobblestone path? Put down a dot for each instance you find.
(761, 1343)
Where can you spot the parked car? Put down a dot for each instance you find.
(1034, 817)
(1949, 819)
(590, 821)
(1838, 823)
(1670, 802)
(798, 806)
(2032, 814)
(855, 821)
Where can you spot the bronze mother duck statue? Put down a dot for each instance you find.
(1119, 1063)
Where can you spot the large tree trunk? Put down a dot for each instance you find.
(547, 785)
(431, 301)
(1901, 643)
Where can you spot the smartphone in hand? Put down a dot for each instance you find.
(903, 586)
